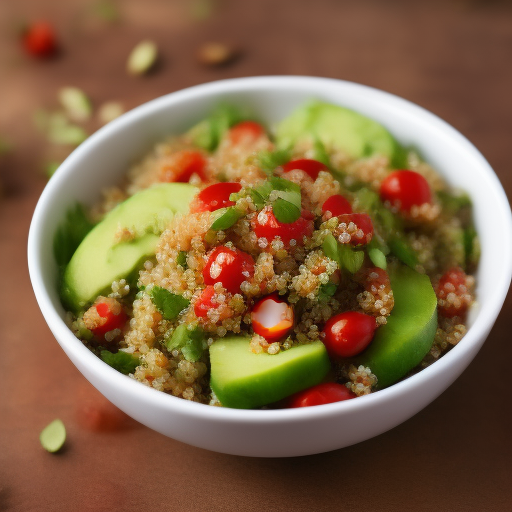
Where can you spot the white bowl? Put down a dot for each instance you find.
(104, 158)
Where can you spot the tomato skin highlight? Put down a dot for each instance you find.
(321, 394)
(245, 132)
(39, 40)
(452, 285)
(311, 167)
(363, 221)
(336, 205)
(230, 267)
(405, 189)
(183, 165)
(265, 225)
(280, 325)
(348, 334)
(214, 197)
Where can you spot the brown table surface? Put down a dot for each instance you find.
(451, 57)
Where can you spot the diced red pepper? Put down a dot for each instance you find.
(183, 165)
(214, 197)
(364, 225)
(245, 132)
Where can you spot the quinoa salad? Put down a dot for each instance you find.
(252, 266)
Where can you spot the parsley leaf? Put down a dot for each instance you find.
(168, 303)
(120, 361)
(70, 234)
(326, 291)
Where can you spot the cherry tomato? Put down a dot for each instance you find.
(311, 167)
(405, 189)
(205, 302)
(111, 315)
(348, 334)
(231, 267)
(265, 225)
(214, 197)
(326, 393)
(452, 293)
(245, 132)
(364, 225)
(336, 205)
(272, 318)
(39, 40)
(183, 165)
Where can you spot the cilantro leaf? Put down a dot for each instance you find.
(168, 303)
(285, 212)
(70, 234)
(268, 161)
(120, 361)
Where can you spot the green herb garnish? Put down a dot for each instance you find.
(378, 257)
(320, 153)
(268, 161)
(53, 436)
(208, 133)
(344, 255)
(70, 234)
(168, 303)
(326, 291)
(120, 361)
(285, 212)
(225, 218)
(403, 251)
(188, 339)
(181, 259)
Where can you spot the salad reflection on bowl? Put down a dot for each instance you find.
(280, 268)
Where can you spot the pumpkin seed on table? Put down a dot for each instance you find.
(216, 54)
(53, 436)
(142, 58)
(76, 103)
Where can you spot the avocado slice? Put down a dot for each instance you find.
(244, 380)
(406, 338)
(339, 127)
(102, 258)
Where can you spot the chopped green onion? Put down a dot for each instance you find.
(378, 257)
(181, 260)
(349, 258)
(225, 218)
(188, 339)
(142, 58)
(168, 303)
(53, 436)
(330, 247)
(76, 104)
(120, 361)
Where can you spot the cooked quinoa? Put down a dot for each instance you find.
(294, 269)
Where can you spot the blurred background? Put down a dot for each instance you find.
(452, 57)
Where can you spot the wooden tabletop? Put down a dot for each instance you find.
(451, 57)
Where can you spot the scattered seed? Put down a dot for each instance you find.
(76, 103)
(53, 436)
(109, 111)
(142, 58)
(216, 54)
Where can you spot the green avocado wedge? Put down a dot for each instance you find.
(244, 380)
(406, 338)
(103, 257)
(339, 127)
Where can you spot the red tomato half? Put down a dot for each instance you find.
(405, 189)
(348, 334)
(265, 225)
(231, 267)
(245, 132)
(337, 205)
(311, 167)
(272, 318)
(214, 197)
(326, 393)
(183, 164)
(39, 40)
